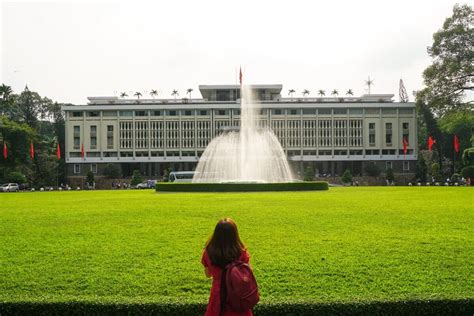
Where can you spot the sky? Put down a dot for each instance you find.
(69, 50)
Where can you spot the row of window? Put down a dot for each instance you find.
(223, 112)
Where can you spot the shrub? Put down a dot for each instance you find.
(308, 174)
(240, 187)
(372, 169)
(16, 177)
(346, 176)
(421, 169)
(137, 178)
(90, 178)
(468, 156)
(112, 171)
(468, 172)
(435, 171)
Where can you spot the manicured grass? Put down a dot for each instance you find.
(345, 245)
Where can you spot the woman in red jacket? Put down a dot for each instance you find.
(222, 248)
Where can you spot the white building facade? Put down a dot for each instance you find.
(328, 134)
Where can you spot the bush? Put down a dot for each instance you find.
(90, 178)
(468, 156)
(468, 172)
(112, 171)
(372, 169)
(240, 187)
(413, 307)
(308, 174)
(421, 169)
(435, 171)
(137, 178)
(346, 176)
(16, 177)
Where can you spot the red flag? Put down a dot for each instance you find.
(58, 152)
(431, 141)
(405, 145)
(240, 76)
(5, 151)
(456, 143)
(82, 150)
(32, 150)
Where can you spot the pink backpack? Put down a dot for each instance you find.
(239, 289)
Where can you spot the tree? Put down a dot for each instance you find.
(16, 177)
(189, 91)
(308, 174)
(460, 123)
(123, 95)
(112, 171)
(30, 107)
(421, 169)
(175, 94)
(90, 179)
(136, 178)
(389, 175)
(349, 92)
(346, 176)
(153, 93)
(451, 73)
(335, 92)
(138, 94)
(468, 172)
(291, 92)
(305, 92)
(436, 171)
(321, 93)
(372, 169)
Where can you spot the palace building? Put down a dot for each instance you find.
(330, 134)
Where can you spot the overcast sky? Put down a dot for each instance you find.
(69, 50)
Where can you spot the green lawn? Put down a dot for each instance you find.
(360, 244)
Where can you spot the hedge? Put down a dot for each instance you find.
(417, 307)
(240, 187)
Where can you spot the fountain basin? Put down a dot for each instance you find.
(241, 187)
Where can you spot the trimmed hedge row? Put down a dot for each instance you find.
(240, 187)
(421, 307)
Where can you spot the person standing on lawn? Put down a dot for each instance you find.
(226, 259)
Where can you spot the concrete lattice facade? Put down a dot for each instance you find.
(329, 134)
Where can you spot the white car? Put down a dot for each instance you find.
(9, 187)
(143, 185)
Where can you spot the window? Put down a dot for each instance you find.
(324, 111)
(93, 113)
(371, 134)
(223, 95)
(77, 168)
(188, 112)
(294, 112)
(77, 137)
(388, 165)
(76, 114)
(220, 112)
(204, 112)
(236, 112)
(94, 168)
(406, 133)
(388, 134)
(93, 136)
(109, 113)
(309, 111)
(110, 136)
(156, 113)
(126, 113)
(277, 112)
(406, 166)
(340, 111)
(141, 113)
(172, 113)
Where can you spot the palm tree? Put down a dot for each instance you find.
(153, 93)
(335, 92)
(123, 95)
(321, 93)
(5, 91)
(189, 91)
(138, 94)
(305, 92)
(290, 92)
(175, 93)
(349, 92)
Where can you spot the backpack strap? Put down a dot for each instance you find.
(223, 290)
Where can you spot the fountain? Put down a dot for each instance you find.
(249, 155)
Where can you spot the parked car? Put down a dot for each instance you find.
(9, 187)
(143, 185)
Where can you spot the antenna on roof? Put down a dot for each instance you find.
(369, 82)
(402, 92)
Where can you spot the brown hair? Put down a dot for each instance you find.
(225, 245)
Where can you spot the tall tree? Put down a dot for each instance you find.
(321, 93)
(305, 92)
(189, 91)
(291, 92)
(153, 93)
(123, 95)
(451, 74)
(350, 92)
(335, 92)
(174, 93)
(31, 107)
(138, 94)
